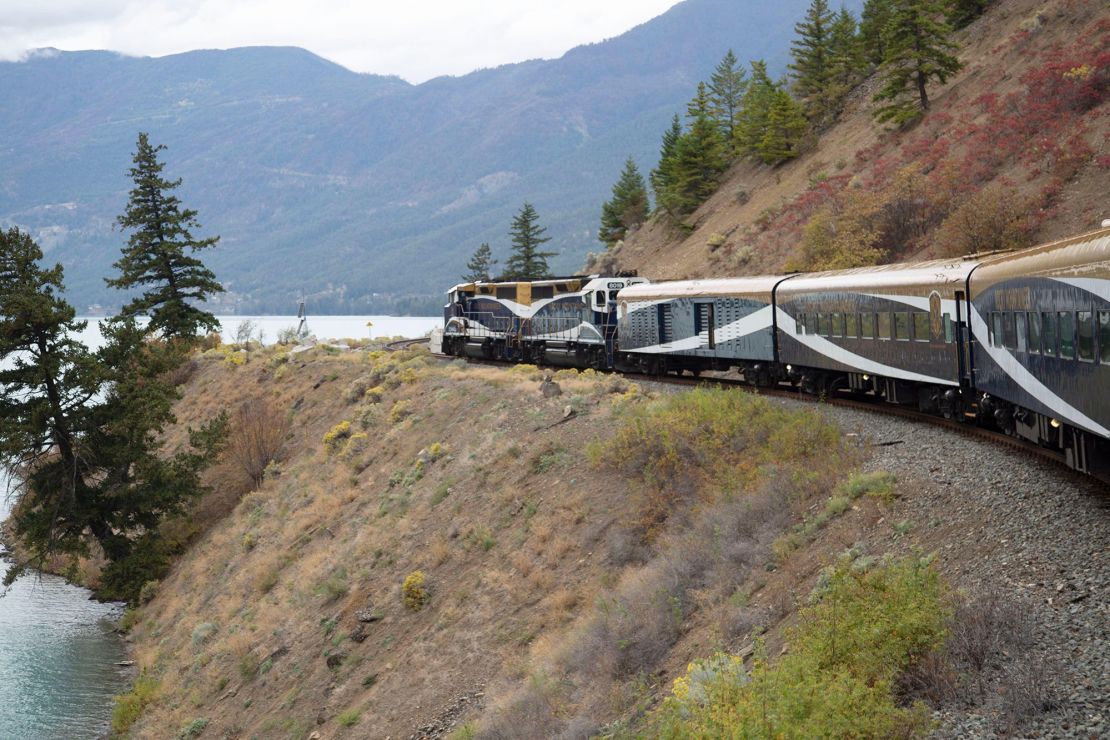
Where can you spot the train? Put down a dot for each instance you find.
(1015, 341)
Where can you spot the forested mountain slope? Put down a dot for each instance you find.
(383, 187)
(1012, 151)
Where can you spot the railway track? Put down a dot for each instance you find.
(868, 404)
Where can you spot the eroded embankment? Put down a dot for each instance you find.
(576, 548)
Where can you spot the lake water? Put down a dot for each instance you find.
(58, 658)
(58, 653)
(323, 327)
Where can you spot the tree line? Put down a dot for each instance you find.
(527, 261)
(81, 430)
(742, 113)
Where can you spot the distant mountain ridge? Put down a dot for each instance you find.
(364, 191)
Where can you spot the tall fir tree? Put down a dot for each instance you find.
(527, 262)
(963, 12)
(846, 60)
(812, 51)
(872, 27)
(752, 123)
(700, 158)
(627, 209)
(84, 429)
(663, 174)
(786, 125)
(919, 50)
(159, 256)
(726, 92)
(480, 266)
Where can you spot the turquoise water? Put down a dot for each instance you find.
(58, 659)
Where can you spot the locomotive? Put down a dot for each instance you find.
(1017, 341)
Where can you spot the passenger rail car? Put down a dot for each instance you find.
(1040, 322)
(1017, 341)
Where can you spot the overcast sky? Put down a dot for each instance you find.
(417, 40)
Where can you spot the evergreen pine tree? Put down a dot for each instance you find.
(846, 62)
(662, 176)
(84, 430)
(726, 91)
(786, 124)
(480, 266)
(628, 207)
(812, 49)
(872, 25)
(527, 261)
(700, 158)
(159, 253)
(963, 12)
(918, 50)
(752, 123)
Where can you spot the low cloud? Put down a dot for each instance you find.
(416, 41)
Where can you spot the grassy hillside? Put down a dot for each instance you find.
(1012, 151)
(442, 548)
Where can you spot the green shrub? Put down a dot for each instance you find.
(349, 718)
(879, 484)
(129, 707)
(202, 632)
(193, 729)
(413, 591)
(335, 586)
(400, 411)
(711, 441)
(336, 437)
(837, 678)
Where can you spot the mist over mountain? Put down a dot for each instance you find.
(365, 192)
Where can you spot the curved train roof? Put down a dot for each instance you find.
(1084, 256)
(760, 285)
(899, 276)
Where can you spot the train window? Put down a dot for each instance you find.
(901, 325)
(800, 324)
(996, 329)
(851, 325)
(949, 335)
(1009, 340)
(884, 326)
(1104, 336)
(837, 328)
(921, 326)
(1020, 330)
(1034, 332)
(507, 293)
(823, 324)
(1067, 335)
(1048, 331)
(1085, 336)
(539, 292)
(811, 323)
(867, 325)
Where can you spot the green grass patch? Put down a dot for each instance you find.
(879, 484)
(837, 679)
(713, 441)
(129, 707)
(349, 718)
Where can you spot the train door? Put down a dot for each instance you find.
(963, 341)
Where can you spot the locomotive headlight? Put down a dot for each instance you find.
(1054, 423)
(789, 368)
(866, 376)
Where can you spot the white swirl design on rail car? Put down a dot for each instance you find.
(839, 354)
(1018, 372)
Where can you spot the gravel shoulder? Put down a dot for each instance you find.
(999, 520)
